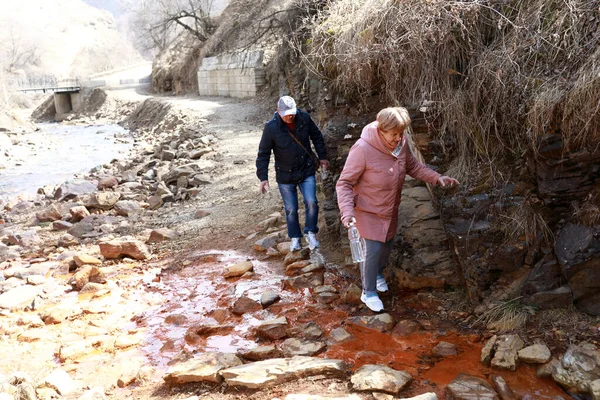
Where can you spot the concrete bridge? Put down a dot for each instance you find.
(68, 92)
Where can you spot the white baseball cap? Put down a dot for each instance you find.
(286, 106)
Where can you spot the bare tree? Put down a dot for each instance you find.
(159, 22)
(15, 55)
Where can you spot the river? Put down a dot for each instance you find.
(56, 152)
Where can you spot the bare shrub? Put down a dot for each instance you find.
(500, 74)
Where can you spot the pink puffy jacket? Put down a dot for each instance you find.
(370, 186)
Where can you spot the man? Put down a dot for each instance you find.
(289, 134)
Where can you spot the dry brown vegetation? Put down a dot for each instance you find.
(499, 74)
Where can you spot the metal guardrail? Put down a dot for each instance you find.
(50, 83)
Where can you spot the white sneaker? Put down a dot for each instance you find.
(311, 238)
(382, 285)
(296, 245)
(373, 302)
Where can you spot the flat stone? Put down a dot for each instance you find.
(262, 374)
(68, 240)
(161, 235)
(245, 305)
(18, 298)
(124, 247)
(261, 353)
(78, 213)
(503, 389)
(406, 327)
(96, 393)
(238, 269)
(535, 354)
(49, 214)
(102, 200)
(87, 274)
(265, 243)
(352, 294)
(61, 225)
(83, 259)
(546, 370)
(339, 335)
(310, 331)
(487, 352)
(127, 208)
(467, 387)
(25, 239)
(380, 322)
(300, 347)
(444, 349)
(274, 329)
(283, 248)
(294, 268)
(507, 348)
(308, 280)
(268, 298)
(292, 257)
(424, 396)
(60, 381)
(204, 368)
(595, 389)
(379, 378)
(108, 182)
(74, 188)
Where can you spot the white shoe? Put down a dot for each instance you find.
(295, 245)
(311, 238)
(382, 285)
(373, 302)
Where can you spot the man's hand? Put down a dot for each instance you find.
(346, 221)
(447, 181)
(264, 187)
(324, 164)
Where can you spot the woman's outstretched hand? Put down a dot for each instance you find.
(447, 181)
(346, 221)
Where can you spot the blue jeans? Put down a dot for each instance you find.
(289, 194)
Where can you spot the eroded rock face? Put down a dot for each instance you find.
(577, 248)
(578, 368)
(431, 264)
(380, 378)
(266, 373)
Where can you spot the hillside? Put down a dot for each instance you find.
(62, 37)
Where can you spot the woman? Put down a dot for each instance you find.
(369, 191)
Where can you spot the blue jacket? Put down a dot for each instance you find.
(292, 163)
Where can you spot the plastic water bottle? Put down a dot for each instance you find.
(357, 244)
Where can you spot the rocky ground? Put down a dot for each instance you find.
(165, 275)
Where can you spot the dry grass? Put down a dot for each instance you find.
(506, 316)
(525, 222)
(500, 74)
(588, 211)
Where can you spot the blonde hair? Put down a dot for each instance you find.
(393, 118)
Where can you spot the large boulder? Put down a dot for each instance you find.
(578, 368)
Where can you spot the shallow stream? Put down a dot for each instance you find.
(56, 152)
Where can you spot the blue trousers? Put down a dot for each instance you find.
(289, 194)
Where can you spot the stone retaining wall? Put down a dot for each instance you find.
(234, 75)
